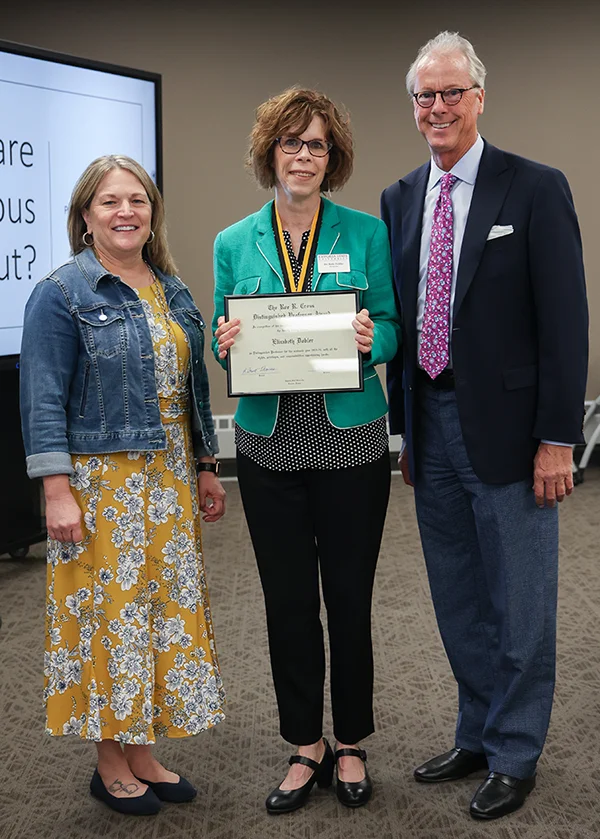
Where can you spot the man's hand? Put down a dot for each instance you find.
(552, 474)
(403, 464)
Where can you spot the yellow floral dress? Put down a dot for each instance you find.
(130, 652)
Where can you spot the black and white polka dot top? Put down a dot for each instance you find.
(303, 437)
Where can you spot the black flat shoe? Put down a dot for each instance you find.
(353, 793)
(287, 800)
(175, 793)
(499, 795)
(451, 766)
(144, 805)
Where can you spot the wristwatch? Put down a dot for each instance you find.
(208, 467)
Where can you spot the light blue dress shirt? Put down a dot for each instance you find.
(462, 192)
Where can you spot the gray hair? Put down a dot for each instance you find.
(447, 43)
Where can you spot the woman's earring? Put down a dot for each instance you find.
(85, 241)
(151, 239)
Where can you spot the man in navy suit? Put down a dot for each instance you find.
(489, 392)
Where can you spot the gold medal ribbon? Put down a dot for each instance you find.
(296, 287)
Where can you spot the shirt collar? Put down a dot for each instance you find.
(91, 267)
(465, 169)
(93, 270)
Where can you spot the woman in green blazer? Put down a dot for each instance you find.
(313, 469)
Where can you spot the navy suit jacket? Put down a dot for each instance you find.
(520, 328)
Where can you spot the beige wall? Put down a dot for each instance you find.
(220, 61)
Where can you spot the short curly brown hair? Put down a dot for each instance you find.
(293, 110)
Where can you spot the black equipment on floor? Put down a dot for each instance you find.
(21, 520)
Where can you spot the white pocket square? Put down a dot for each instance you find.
(498, 230)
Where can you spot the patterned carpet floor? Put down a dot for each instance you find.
(44, 782)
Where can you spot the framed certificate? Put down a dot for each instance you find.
(294, 343)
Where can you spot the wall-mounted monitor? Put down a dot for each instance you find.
(58, 113)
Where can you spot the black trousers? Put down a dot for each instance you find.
(301, 521)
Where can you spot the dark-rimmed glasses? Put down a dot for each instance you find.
(451, 96)
(293, 145)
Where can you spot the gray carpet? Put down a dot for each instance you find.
(44, 782)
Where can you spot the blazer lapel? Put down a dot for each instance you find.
(412, 199)
(328, 235)
(265, 241)
(493, 180)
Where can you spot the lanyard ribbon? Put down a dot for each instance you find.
(308, 256)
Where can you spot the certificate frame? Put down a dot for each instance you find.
(258, 384)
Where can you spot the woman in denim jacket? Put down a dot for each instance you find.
(116, 420)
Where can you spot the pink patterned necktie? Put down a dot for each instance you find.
(433, 351)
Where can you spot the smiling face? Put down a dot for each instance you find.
(450, 130)
(300, 175)
(119, 215)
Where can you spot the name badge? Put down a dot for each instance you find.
(331, 263)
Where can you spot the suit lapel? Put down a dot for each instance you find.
(265, 241)
(412, 198)
(328, 236)
(493, 180)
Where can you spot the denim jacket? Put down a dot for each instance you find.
(87, 368)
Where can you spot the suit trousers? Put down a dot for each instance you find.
(301, 522)
(492, 561)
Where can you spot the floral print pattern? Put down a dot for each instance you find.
(130, 651)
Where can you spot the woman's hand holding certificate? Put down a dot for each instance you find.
(363, 326)
(225, 334)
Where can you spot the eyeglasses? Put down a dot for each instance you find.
(292, 145)
(451, 96)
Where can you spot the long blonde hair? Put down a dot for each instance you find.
(157, 251)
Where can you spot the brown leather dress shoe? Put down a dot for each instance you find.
(499, 795)
(451, 766)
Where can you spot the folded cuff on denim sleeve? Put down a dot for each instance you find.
(49, 463)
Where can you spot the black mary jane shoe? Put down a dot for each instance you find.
(500, 795)
(144, 805)
(174, 793)
(353, 793)
(287, 800)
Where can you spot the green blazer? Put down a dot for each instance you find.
(246, 262)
